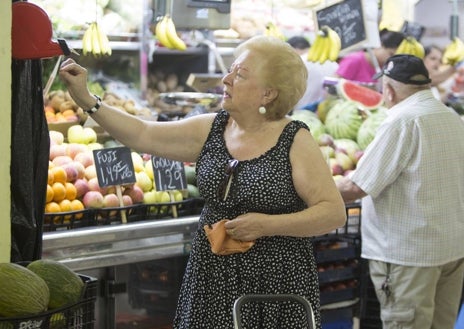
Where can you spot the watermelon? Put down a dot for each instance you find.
(365, 97)
(344, 120)
(312, 121)
(22, 292)
(366, 132)
(65, 285)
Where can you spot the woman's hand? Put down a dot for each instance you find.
(246, 227)
(74, 77)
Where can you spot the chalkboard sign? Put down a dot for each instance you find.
(114, 166)
(168, 174)
(347, 19)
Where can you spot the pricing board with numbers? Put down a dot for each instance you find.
(168, 174)
(347, 19)
(114, 166)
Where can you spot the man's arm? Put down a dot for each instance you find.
(349, 190)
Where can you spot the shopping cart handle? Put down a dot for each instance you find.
(271, 298)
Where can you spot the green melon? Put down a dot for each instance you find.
(311, 119)
(343, 120)
(368, 129)
(65, 285)
(366, 97)
(22, 292)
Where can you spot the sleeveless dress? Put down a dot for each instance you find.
(274, 265)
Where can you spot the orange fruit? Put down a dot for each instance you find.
(65, 206)
(71, 191)
(50, 193)
(52, 207)
(51, 177)
(59, 191)
(59, 175)
(77, 205)
(69, 112)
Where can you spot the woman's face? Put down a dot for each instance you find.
(433, 60)
(242, 87)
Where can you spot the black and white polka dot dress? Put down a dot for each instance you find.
(274, 265)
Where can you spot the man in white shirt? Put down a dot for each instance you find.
(411, 181)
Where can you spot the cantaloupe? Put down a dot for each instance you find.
(65, 285)
(22, 292)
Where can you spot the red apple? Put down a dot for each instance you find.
(93, 199)
(90, 172)
(110, 201)
(135, 192)
(62, 160)
(75, 148)
(82, 187)
(57, 150)
(336, 168)
(71, 172)
(127, 201)
(86, 158)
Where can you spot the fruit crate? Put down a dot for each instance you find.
(68, 220)
(187, 207)
(115, 215)
(352, 227)
(80, 315)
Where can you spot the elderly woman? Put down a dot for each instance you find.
(255, 167)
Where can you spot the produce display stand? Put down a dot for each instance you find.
(80, 315)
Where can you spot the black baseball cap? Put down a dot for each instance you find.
(407, 69)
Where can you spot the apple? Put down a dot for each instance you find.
(344, 160)
(135, 192)
(137, 160)
(143, 181)
(93, 199)
(126, 200)
(86, 158)
(90, 172)
(95, 146)
(327, 151)
(62, 160)
(325, 140)
(56, 136)
(82, 187)
(76, 134)
(75, 148)
(71, 172)
(149, 169)
(89, 135)
(149, 197)
(335, 167)
(357, 155)
(110, 200)
(57, 150)
(95, 186)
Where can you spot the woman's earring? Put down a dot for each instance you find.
(262, 110)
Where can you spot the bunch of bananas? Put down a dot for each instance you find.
(273, 31)
(95, 42)
(165, 31)
(454, 52)
(411, 46)
(326, 46)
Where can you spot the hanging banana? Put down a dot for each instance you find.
(454, 52)
(166, 33)
(411, 46)
(95, 42)
(273, 31)
(326, 46)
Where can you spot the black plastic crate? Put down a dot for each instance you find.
(68, 220)
(80, 315)
(187, 207)
(331, 250)
(115, 215)
(338, 271)
(339, 292)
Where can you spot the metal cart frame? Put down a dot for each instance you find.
(239, 302)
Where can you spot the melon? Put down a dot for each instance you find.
(368, 129)
(344, 120)
(22, 292)
(311, 119)
(365, 97)
(65, 285)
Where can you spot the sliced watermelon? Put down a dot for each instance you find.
(366, 97)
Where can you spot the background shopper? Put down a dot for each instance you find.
(412, 185)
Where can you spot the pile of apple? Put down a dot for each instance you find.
(71, 164)
(341, 155)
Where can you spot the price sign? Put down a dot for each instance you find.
(347, 19)
(168, 174)
(114, 166)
